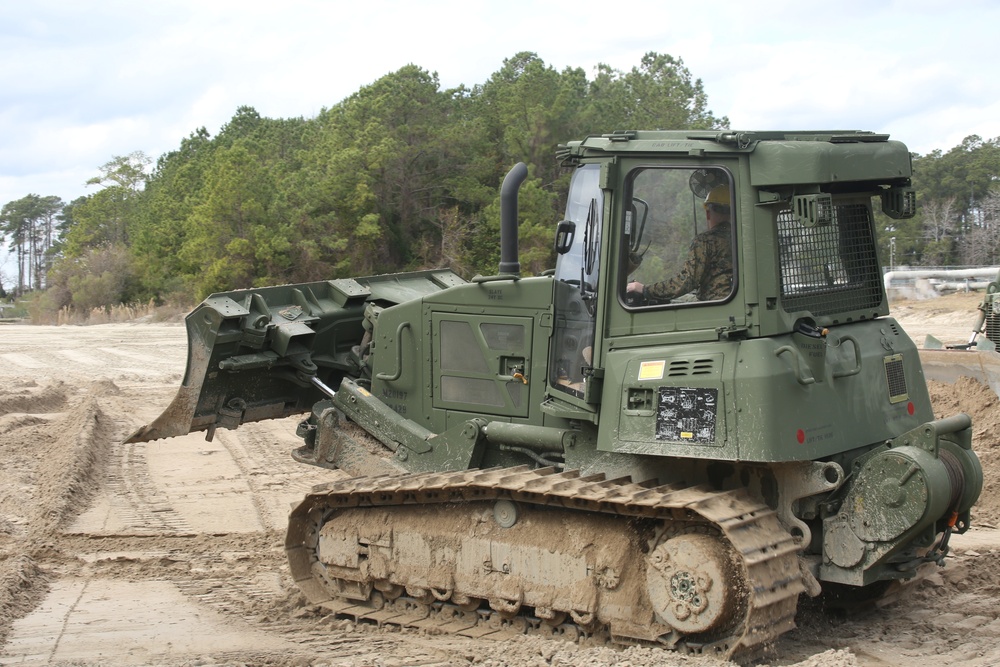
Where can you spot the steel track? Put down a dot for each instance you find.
(768, 553)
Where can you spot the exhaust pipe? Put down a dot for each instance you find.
(509, 263)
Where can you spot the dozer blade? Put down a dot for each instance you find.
(948, 366)
(272, 352)
(177, 418)
(250, 356)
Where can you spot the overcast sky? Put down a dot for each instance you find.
(81, 82)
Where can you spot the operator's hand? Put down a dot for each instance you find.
(634, 295)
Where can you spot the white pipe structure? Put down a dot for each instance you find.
(966, 285)
(988, 273)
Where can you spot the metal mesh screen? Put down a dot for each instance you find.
(993, 329)
(993, 320)
(829, 268)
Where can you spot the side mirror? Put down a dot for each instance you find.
(565, 233)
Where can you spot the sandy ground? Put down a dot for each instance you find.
(170, 553)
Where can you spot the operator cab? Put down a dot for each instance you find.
(664, 227)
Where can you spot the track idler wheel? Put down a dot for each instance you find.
(693, 582)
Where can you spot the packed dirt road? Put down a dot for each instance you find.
(170, 552)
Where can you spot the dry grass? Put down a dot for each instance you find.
(135, 312)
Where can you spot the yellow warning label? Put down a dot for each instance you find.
(651, 370)
(687, 435)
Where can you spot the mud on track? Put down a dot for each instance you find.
(170, 553)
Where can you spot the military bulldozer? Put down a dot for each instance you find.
(976, 358)
(558, 454)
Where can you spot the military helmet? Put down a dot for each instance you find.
(718, 198)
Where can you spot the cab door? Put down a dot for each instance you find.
(576, 285)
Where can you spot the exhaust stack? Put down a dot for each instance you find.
(509, 263)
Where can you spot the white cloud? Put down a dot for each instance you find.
(81, 83)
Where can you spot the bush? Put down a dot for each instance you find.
(100, 278)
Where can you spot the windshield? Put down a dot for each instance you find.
(583, 208)
(577, 274)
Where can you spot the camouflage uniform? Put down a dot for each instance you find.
(708, 270)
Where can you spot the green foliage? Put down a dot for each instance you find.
(385, 163)
(402, 175)
(955, 223)
(98, 278)
(658, 94)
(220, 231)
(173, 191)
(966, 173)
(527, 107)
(109, 216)
(32, 225)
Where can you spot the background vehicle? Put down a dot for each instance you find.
(977, 357)
(547, 453)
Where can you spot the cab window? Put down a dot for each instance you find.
(678, 241)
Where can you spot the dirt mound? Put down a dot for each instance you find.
(48, 471)
(54, 459)
(21, 585)
(18, 420)
(171, 552)
(980, 403)
(30, 398)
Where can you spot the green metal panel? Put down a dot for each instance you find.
(777, 163)
(670, 401)
(794, 402)
(777, 399)
(482, 363)
(400, 361)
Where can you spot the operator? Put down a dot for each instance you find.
(708, 270)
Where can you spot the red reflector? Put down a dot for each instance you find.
(800, 435)
(909, 408)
